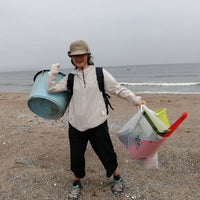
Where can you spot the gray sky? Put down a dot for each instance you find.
(36, 33)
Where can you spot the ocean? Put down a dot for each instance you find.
(159, 78)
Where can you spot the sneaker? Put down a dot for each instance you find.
(117, 186)
(74, 194)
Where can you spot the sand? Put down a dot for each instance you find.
(35, 154)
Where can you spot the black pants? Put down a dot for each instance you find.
(101, 143)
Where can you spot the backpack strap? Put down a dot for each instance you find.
(70, 83)
(100, 80)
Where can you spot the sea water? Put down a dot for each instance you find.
(160, 78)
(163, 78)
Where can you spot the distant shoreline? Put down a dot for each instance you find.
(146, 79)
(107, 66)
(138, 93)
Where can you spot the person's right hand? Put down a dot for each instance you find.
(54, 67)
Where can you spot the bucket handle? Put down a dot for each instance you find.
(42, 71)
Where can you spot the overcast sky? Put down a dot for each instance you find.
(34, 34)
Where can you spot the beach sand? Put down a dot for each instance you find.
(35, 154)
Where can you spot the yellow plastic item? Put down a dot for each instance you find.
(162, 115)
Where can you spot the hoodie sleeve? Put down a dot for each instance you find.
(54, 86)
(115, 88)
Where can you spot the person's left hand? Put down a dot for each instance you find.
(140, 102)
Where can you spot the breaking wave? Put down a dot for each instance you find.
(160, 84)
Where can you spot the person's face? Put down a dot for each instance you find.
(80, 61)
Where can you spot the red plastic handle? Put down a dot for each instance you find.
(175, 125)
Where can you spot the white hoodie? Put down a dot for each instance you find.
(87, 107)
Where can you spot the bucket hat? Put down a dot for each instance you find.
(78, 47)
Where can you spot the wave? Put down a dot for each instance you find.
(160, 92)
(160, 84)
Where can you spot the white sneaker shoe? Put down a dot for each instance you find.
(117, 186)
(75, 193)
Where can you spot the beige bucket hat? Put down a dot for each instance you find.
(78, 47)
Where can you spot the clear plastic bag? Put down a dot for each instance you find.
(140, 137)
(150, 162)
(145, 132)
(136, 129)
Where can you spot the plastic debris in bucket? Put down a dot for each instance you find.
(162, 115)
(44, 104)
(140, 137)
(156, 120)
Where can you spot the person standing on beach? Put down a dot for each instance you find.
(88, 115)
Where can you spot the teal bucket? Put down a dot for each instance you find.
(44, 104)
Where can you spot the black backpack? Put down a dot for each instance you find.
(100, 80)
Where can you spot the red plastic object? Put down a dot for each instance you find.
(175, 125)
(145, 149)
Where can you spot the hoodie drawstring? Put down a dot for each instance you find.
(83, 78)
